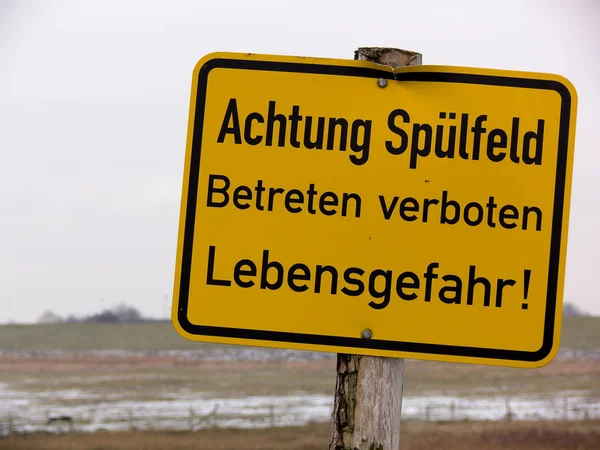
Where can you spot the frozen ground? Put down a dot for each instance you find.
(29, 411)
(100, 396)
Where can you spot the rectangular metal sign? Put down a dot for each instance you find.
(344, 206)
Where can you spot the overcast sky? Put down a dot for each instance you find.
(93, 115)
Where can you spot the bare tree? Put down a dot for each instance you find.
(50, 317)
(569, 309)
(121, 313)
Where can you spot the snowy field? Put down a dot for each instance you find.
(29, 412)
(137, 382)
(112, 401)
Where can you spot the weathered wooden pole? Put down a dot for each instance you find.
(368, 390)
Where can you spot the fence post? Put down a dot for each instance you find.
(271, 416)
(509, 413)
(191, 419)
(214, 416)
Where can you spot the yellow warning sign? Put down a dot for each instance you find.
(342, 206)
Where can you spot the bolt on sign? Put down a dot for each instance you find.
(348, 207)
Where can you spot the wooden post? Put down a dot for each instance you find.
(509, 414)
(191, 420)
(368, 391)
(272, 416)
(214, 416)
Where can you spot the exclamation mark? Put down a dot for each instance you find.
(526, 280)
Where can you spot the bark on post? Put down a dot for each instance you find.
(392, 57)
(368, 391)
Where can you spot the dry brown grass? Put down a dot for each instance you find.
(278, 438)
(470, 379)
(549, 435)
(583, 435)
(150, 376)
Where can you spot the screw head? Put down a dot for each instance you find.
(366, 334)
(382, 82)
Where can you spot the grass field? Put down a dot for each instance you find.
(148, 373)
(414, 436)
(581, 333)
(140, 384)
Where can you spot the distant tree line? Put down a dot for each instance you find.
(122, 313)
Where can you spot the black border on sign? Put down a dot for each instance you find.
(376, 344)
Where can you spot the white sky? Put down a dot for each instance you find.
(93, 115)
